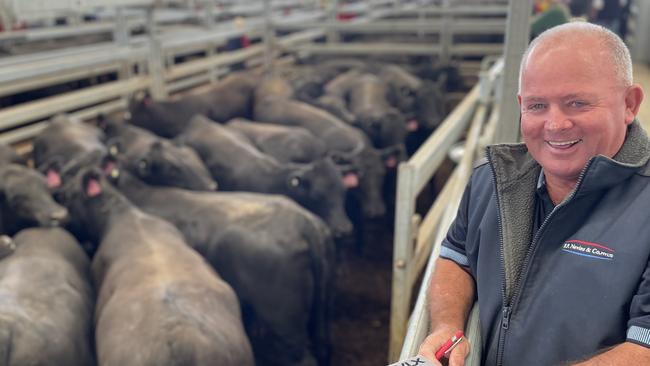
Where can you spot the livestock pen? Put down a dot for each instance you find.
(144, 51)
(89, 60)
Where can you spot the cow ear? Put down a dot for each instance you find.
(92, 184)
(53, 178)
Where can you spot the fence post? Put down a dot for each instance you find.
(446, 36)
(269, 32)
(156, 66)
(332, 34)
(402, 263)
(517, 33)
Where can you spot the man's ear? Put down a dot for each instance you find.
(633, 99)
(519, 100)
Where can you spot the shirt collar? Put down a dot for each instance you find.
(541, 180)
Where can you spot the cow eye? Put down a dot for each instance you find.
(143, 167)
(294, 182)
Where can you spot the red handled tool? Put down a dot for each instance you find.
(448, 346)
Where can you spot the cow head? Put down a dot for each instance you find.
(164, 118)
(403, 97)
(166, 163)
(366, 162)
(90, 199)
(430, 106)
(392, 155)
(318, 187)
(384, 127)
(27, 195)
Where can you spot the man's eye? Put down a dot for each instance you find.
(536, 106)
(577, 104)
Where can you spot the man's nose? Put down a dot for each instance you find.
(557, 120)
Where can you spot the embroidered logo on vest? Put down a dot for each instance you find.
(589, 250)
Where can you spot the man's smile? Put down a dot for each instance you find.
(567, 144)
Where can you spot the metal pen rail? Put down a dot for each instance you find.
(415, 238)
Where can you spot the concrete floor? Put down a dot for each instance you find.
(642, 77)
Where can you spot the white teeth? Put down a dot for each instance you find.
(562, 143)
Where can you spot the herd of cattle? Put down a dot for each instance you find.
(205, 225)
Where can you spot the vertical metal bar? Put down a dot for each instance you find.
(122, 31)
(641, 46)
(402, 255)
(157, 88)
(517, 34)
(5, 16)
(446, 37)
(421, 18)
(332, 34)
(208, 16)
(268, 36)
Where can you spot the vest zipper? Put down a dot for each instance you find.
(505, 319)
(510, 306)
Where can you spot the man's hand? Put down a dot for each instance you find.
(436, 339)
(451, 295)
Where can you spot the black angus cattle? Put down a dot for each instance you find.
(276, 256)
(368, 102)
(159, 302)
(346, 144)
(230, 98)
(156, 160)
(421, 101)
(286, 144)
(46, 301)
(25, 200)
(334, 98)
(65, 139)
(238, 165)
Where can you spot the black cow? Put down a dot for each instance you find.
(238, 165)
(368, 101)
(159, 302)
(230, 98)
(46, 301)
(25, 200)
(276, 255)
(335, 96)
(346, 144)
(421, 101)
(286, 144)
(157, 160)
(64, 139)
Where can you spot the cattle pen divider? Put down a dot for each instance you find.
(417, 239)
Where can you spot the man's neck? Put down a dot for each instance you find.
(559, 189)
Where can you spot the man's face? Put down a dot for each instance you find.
(572, 108)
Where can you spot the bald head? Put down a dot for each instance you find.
(599, 43)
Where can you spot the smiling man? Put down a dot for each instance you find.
(552, 236)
